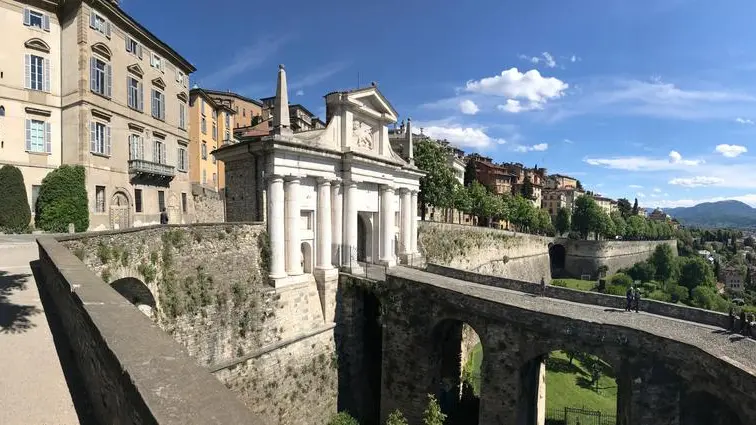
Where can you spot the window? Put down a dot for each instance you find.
(203, 125)
(180, 77)
(244, 112)
(183, 202)
(138, 200)
(161, 200)
(215, 131)
(100, 199)
(35, 19)
(37, 73)
(213, 156)
(38, 136)
(136, 147)
(156, 62)
(35, 196)
(133, 47)
(158, 152)
(158, 105)
(215, 179)
(183, 159)
(135, 93)
(204, 176)
(99, 138)
(228, 136)
(101, 77)
(204, 150)
(227, 119)
(2, 111)
(182, 116)
(202, 107)
(99, 23)
(215, 115)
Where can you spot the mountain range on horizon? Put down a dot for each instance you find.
(716, 214)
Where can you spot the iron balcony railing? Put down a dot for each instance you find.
(140, 166)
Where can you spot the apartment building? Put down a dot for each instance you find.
(495, 177)
(301, 118)
(30, 91)
(211, 126)
(126, 114)
(553, 199)
(560, 181)
(246, 109)
(605, 203)
(536, 175)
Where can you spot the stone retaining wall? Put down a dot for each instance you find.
(133, 372)
(690, 314)
(585, 257)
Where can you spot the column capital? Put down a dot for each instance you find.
(350, 183)
(387, 188)
(292, 179)
(402, 190)
(322, 181)
(414, 191)
(275, 177)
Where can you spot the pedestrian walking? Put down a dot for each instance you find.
(732, 319)
(636, 299)
(163, 216)
(629, 296)
(742, 321)
(543, 287)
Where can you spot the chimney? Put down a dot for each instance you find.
(410, 150)
(281, 123)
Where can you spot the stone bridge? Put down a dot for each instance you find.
(669, 371)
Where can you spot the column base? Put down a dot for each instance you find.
(285, 281)
(388, 262)
(412, 259)
(327, 281)
(325, 275)
(353, 267)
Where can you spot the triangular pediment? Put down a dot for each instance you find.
(373, 102)
(159, 83)
(136, 69)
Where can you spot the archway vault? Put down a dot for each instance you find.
(135, 291)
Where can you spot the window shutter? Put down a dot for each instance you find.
(46, 22)
(163, 152)
(139, 51)
(141, 147)
(27, 16)
(48, 137)
(108, 80)
(140, 96)
(162, 108)
(152, 60)
(92, 22)
(27, 71)
(107, 140)
(177, 76)
(155, 151)
(47, 71)
(129, 95)
(107, 29)
(28, 135)
(92, 137)
(128, 45)
(93, 74)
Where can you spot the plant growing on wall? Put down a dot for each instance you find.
(14, 208)
(63, 200)
(433, 414)
(396, 418)
(343, 418)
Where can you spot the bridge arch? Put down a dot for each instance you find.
(137, 293)
(557, 259)
(702, 407)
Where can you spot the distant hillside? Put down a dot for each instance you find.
(716, 214)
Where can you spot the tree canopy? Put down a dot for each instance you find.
(624, 207)
(438, 184)
(586, 217)
(562, 221)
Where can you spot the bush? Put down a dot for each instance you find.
(343, 418)
(396, 418)
(659, 295)
(15, 214)
(62, 200)
(616, 290)
(433, 414)
(643, 271)
(677, 293)
(621, 279)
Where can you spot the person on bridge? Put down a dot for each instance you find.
(732, 319)
(742, 321)
(543, 287)
(629, 295)
(163, 216)
(636, 299)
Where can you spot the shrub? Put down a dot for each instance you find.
(396, 418)
(433, 414)
(621, 279)
(659, 295)
(62, 200)
(616, 290)
(343, 418)
(15, 214)
(643, 271)
(678, 293)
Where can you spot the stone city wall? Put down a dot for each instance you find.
(212, 295)
(209, 205)
(484, 250)
(677, 311)
(585, 257)
(125, 361)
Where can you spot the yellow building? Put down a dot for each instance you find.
(211, 125)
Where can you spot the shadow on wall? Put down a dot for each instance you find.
(14, 318)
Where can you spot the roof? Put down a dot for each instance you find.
(364, 89)
(105, 6)
(297, 105)
(232, 94)
(213, 103)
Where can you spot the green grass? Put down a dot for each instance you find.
(566, 384)
(581, 285)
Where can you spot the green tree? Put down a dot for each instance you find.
(437, 185)
(433, 414)
(482, 203)
(578, 185)
(636, 227)
(635, 207)
(606, 226)
(695, 271)
(15, 214)
(707, 297)
(624, 207)
(621, 279)
(462, 201)
(471, 174)
(523, 213)
(620, 226)
(749, 241)
(543, 220)
(396, 418)
(343, 418)
(526, 190)
(62, 200)
(645, 271)
(665, 263)
(587, 216)
(562, 222)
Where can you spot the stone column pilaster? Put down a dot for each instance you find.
(276, 232)
(337, 225)
(387, 225)
(291, 229)
(405, 240)
(413, 221)
(324, 225)
(648, 394)
(350, 224)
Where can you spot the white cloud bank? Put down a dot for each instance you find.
(468, 107)
(674, 161)
(740, 120)
(463, 137)
(697, 181)
(534, 148)
(731, 151)
(517, 87)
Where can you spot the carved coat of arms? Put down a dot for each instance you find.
(363, 133)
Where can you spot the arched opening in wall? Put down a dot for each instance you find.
(703, 408)
(137, 293)
(568, 387)
(557, 259)
(306, 257)
(119, 211)
(456, 362)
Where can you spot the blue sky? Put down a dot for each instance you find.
(654, 99)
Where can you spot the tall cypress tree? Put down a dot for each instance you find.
(15, 214)
(635, 207)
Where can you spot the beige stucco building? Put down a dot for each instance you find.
(30, 91)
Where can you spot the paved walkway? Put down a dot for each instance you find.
(33, 389)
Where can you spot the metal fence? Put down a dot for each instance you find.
(578, 416)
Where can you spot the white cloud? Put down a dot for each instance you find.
(514, 85)
(534, 148)
(316, 76)
(463, 137)
(573, 59)
(568, 141)
(657, 190)
(676, 158)
(550, 62)
(300, 92)
(696, 181)
(675, 161)
(514, 106)
(249, 57)
(468, 107)
(731, 151)
(640, 195)
(740, 120)
(635, 186)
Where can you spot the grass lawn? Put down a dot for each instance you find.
(582, 285)
(566, 385)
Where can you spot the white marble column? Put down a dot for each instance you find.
(292, 218)
(387, 225)
(413, 222)
(324, 225)
(406, 224)
(350, 223)
(276, 234)
(337, 225)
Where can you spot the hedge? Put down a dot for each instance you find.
(15, 215)
(63, 200)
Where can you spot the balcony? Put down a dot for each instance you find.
(140, 169)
